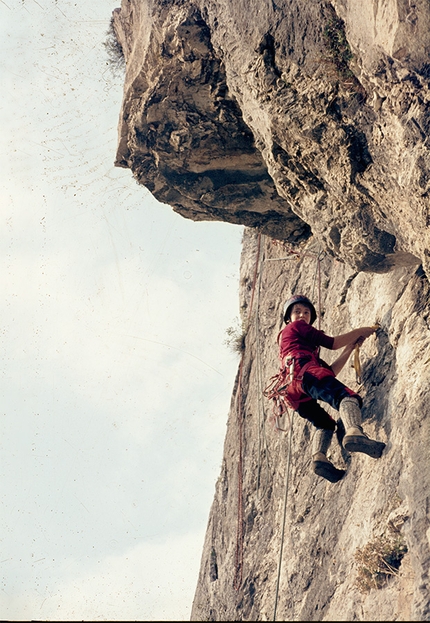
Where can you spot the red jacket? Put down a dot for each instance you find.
(301, 342)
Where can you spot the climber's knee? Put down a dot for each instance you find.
(319, 417)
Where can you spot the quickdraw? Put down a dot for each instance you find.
(357, 364)
(276, 390)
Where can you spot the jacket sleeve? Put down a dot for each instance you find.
(319, 338)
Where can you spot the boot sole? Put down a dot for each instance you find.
(328, 471)
(357, 443)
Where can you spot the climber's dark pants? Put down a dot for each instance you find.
(311, 410)
(327, 389)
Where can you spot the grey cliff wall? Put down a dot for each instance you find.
(326, 525)
(307, 122)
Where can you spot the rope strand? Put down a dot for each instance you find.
(284, 517)
(262, 439)
(237, 581)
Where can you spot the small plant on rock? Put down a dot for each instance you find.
(339, 55)
(236, 336)
(338, 46)
(115, 53)
(378, 561)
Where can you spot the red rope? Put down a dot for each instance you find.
(237, 582)
(238, 576)
(319, 291)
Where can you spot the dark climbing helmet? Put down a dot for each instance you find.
(298, 298)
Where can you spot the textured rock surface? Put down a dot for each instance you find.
(307, 122)
(256, 112)
(325, 524)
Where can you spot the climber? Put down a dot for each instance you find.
(312, 379)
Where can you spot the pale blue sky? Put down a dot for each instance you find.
(115, 378)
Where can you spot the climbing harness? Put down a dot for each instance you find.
(276, 391)
(284, 388)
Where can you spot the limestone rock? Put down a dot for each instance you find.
(326, 525)
(307, 122)
(289, 117)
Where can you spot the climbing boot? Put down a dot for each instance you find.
(324, 468)
(356, 440)
(321, 465)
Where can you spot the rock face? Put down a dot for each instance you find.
(267, 473)
(307, 122)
